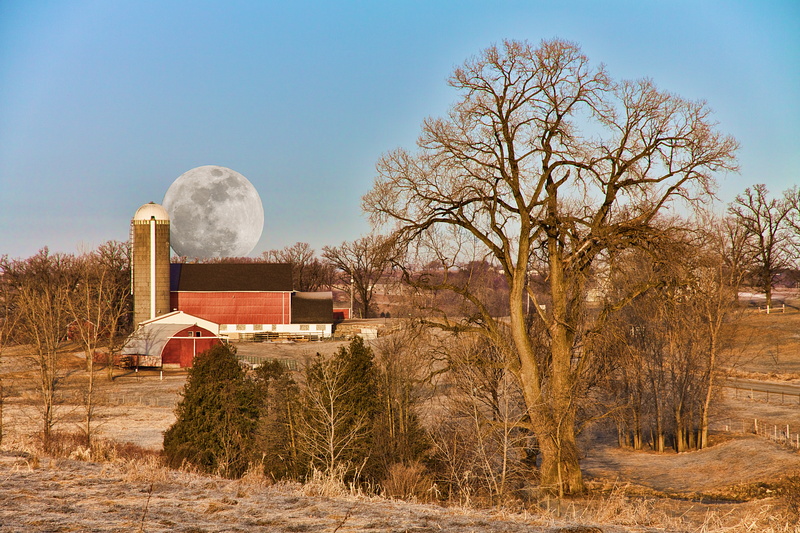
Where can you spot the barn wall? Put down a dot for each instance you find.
(181, 348)
(235, 307)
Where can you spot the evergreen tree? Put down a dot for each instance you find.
(397, 435)
(276, 436)
(217, 417)
(358, 364)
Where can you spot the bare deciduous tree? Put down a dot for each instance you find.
(765, 222)
(329, 429)
(482, 440)
(100, 309)
(403, 370)
(8, 319)
(719, 276)
(362, 263)
(43, 284)
(736, 257)
(544, 154)
(308, 272)
(670, 338)
(86, 305)
(114, 260)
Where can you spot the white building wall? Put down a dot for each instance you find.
(233, 330)
(179, 317)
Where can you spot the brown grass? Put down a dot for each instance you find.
(107, 488)
(79, 495)
(766, 346)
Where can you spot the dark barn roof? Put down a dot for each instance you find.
(312, 308)
(231, 277)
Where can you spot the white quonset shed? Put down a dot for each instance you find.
(170, 341)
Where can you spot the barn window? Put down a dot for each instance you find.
(258, 327)
(274, 327)
(320, 327)
(223, 327)
(240, 327)
(198, 333)
(303, 327)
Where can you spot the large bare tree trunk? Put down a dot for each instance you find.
(710, 369)
(552, 414)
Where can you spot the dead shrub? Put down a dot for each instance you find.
(106, 450)
(33, 462)
(65, 445)
(73, 446)
(255, 478)
(148, 470)
(81, 454)
(617, 508)
(408, 482)
(328, 484)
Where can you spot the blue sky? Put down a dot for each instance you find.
(103, 104)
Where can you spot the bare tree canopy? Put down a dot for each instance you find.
(308, 272)
(362, 263)
(546, 158)
(41, 287)
(765, 222)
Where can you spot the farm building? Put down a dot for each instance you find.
(248, 299)
(159, 343)
(228, 301)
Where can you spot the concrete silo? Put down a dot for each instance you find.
(150, 262)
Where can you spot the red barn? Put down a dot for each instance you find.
(233, 293)
(249, 298)
(228, 301)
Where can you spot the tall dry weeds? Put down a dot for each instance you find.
(618, 508)
(410, 482)
(329, 484)
(145, 470)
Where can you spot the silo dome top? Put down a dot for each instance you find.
(148, 211)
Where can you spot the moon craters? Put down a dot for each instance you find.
(214, 212)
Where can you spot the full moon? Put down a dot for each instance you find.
(214, 212)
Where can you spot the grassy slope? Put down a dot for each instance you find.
(67, 495)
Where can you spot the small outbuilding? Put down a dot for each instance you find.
(168, 345)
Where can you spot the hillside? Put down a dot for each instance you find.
(732, 486)
(69, 495)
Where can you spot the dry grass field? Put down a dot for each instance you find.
(735, 485)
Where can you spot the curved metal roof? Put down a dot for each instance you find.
(151, 339)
